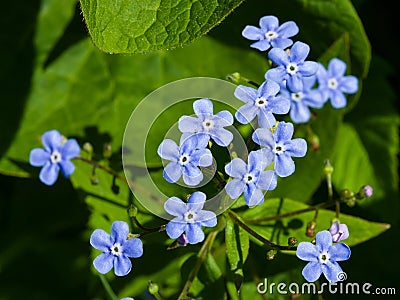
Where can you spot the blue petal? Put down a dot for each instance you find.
(206, 218)
(331, 270)
(336, 68)
(268, 88)
(223, 118)
(267, 180)
(284, 132)
(172, 172)
(189, 124)
(348, 84)
(246, 113)
(236, 168)
(288, 29)
(266, 119)
(264, 137)
(309, 82)
(235, 188)
(338, 100)
(308, 68)
(175, 229)
(104, 263)
(282, 43)
(133, 248)
(323, 240)
(267, 156)
(307, 251)
(312, 271)
(276, 74)
(192, 171)
(119, 231)
(169, 150)
(192, 176)
(279, 105)
(67, 168)
(294, 83)
(222, 137)
(256, 162)
(296, 147)
(252, 33)
(196, 201)
(262, 45)
(299, 112)
(203, 107)
(253, 196)
(122, 265)
(194, 233)
(70, 149)
(202, 157)
(175, 207)
(101, 240)
(49, 173)
(268, 23)
(189, 144)
(313, 98)
(245, 94)
(284, 165)
(38, 157)
(51, 140)
(322, 74)
(339, 252)
(299, 52)
(279, 57)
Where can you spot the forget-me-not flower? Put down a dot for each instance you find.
(333, 83)
(291, 67)
(338, 231)
(281, 146)
(301, 102)
(117, 249)
(251, 178)
(270, 34)
(323, 257)
(208, 124)
(189, 217)
(185, 159)
(55, 156)
(263, 103)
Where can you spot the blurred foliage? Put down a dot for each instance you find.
(53, 76)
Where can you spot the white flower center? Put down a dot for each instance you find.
(184, 159)
(332, 83)
(261, 102)
(297, 96)
(292, 68)
(279, 149)
(190, 216)
(116, 249)
(55, 157)
(248, 177)
(208, 124)
(324, 257)
(270, 35)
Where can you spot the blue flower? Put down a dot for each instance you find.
(116, 249)
(250, 179)
(208, 124)
(333, 83)
(291, 67)
(189, 217)
(281, 146)
(185, 159)
(55, 156)
(301, 102)
(323, 257)
(270, 34)
(263, 103)
(127, 298)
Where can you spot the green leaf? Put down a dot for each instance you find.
(237, 245)
(295, 226)
(123, 26)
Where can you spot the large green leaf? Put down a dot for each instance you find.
(124, 26)
(279, 231)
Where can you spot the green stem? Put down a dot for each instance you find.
(237, 220)
(201, 256)
(108, 288)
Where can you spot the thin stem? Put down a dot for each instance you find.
(108, 288)
(152, 230)
(201, 256)
(237, 220)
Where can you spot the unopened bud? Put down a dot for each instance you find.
(328, 169)
(234, 77)
(314, 142)
(94, 179)
(271, 254)
(107, 150)
(365, 192)
(153, 288)
(292, 241)
(182, 240)
(346, 194)
(310, 229)
(88, 147)
(132, 211)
